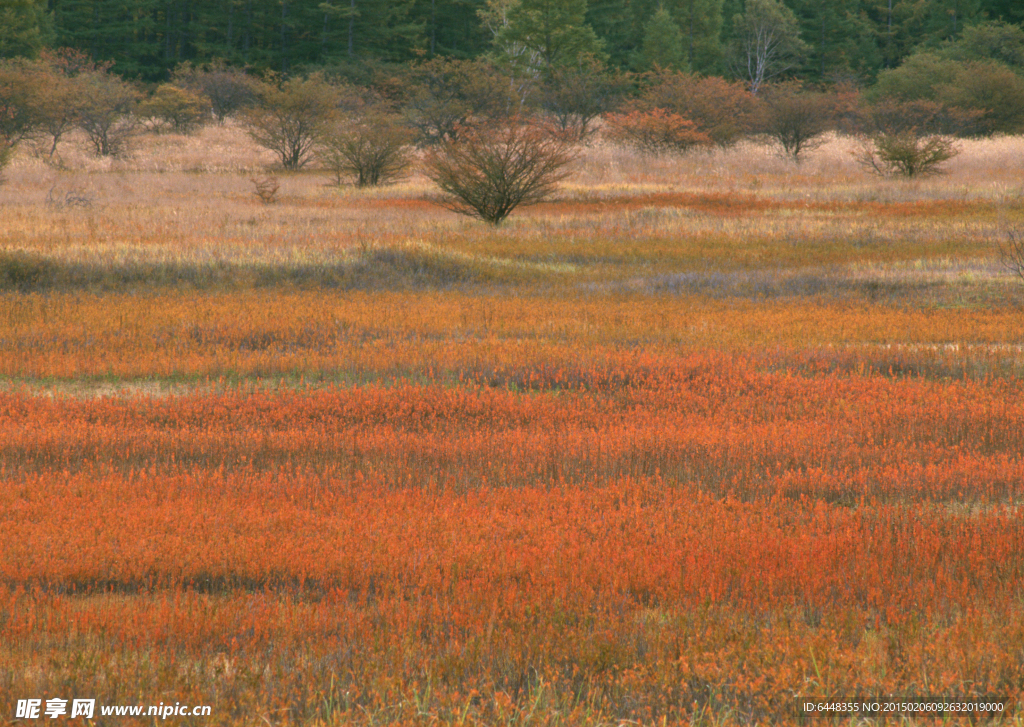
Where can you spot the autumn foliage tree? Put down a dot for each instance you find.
(42, 100)
(445, 95)
(59, 95)
(228, 89)
(725, 111)
(488, 172)
(655, 132)
(796, 119)
(176, 109)
(17, 119)
(106, 113)
(575, 96)
(292, 117)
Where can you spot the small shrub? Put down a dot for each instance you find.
(6, 154)
(655, 132)
(374, 150)
(906, 154)
(488, 172)
(265, 188)
(1011, 253)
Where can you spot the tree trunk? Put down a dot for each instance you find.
(284, 36)
(352, 29)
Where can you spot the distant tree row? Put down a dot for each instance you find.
(319, 115)
(750, 40)
(497, 135)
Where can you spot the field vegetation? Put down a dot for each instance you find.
(698, 439)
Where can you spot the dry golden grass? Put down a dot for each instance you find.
(187, 203)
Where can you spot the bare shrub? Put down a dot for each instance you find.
(488, 172)
(1011, 253)
(266, 188)
(655, 132)
(374, 150)
(68, 198)
(906, 154)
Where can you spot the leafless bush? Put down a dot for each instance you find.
(1011, 253)
(374, 150)
(906, 154)
(265, 188)
(489, 172)
(70, 198)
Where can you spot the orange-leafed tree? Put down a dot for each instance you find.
(655, 132)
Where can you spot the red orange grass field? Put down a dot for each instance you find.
(675, 449)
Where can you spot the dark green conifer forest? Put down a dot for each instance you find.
(838, 40)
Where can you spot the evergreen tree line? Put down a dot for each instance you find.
(814, 40)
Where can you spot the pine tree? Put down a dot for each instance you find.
(701, 25)
(450, 28)
(946, 19)
(840, 39)
(555, 30)
(612, 21)
(898, 26)
(25, 28)
(663, 43)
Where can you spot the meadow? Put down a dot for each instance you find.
(701, 440)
